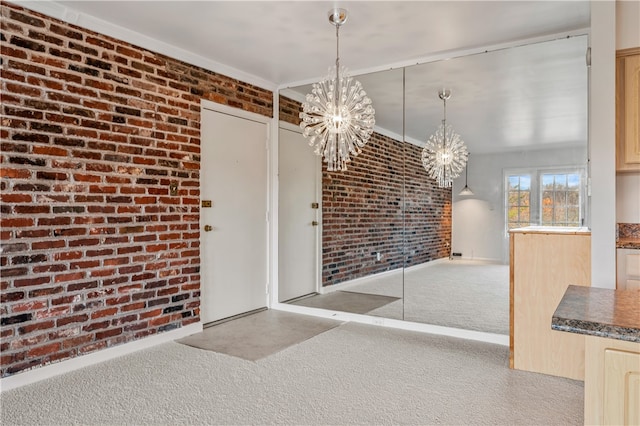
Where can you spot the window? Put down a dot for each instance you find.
(560, 199)
(549, 197)
(518, 201)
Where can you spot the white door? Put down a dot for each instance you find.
(234, 250)
(298, 220)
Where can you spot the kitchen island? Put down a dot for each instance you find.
(610, 321)
(543, 261)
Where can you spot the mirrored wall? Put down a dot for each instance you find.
(382, 239)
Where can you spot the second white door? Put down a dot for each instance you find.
(298, 220)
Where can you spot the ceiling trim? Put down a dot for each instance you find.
(450, 54)
(71, 16)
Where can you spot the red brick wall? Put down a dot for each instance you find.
(362, 213)
(427, 212)
(289, 110)
(384, 203)
(96, 252)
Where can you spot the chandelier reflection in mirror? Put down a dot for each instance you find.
(337, 116)
(445, 154)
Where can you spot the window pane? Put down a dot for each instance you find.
(524, 198)
(573, 198)
(524, 216)
(547, 199)
(525, 182)
(573, 215)
(547, 215)
(560, 181)
(513, 214)
(547, 181)
(514, 182)
(513, 198)
(560, 215)
(560, 198)
(574, 181)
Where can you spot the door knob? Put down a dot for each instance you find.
(314, 223)
(208, 228)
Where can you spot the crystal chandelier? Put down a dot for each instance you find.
(445, 155)
(337, 116)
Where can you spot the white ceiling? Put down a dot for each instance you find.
(286, 43)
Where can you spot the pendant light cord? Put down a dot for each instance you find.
(337, 59)
(337, 48)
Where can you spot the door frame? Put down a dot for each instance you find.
(247, 115)
(318, 196)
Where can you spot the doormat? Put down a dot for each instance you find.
(259, 335)
(346, 301)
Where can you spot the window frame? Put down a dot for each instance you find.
(507, 190)
(536, 191)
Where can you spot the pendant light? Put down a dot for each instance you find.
(337, 116)
(445, 154)
(466, 190)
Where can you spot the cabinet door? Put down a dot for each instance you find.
(621, 388)
(632, 110)
(628, 110)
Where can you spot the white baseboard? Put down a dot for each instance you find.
(66, 366)
(481, 259)
(480, 336)
(426, 264)
(345, 285)
(348, 284)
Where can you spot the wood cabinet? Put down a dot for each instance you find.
(628, 269)
(612, 382)
(628, 110)
(542, 265)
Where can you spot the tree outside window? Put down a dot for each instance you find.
(518, 201)
(560, 199)
(544, 196)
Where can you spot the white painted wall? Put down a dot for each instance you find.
(478, 220)
(627, 24)
(602, 123)
(628, 185)
(628, 198)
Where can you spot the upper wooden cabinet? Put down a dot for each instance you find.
(628, 110)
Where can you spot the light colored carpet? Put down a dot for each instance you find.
(346, 301)
(351, 374)
(259, 335)
(471, 295)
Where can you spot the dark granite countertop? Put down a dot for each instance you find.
(614, 314)
(628, 236)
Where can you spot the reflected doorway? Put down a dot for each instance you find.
(298, 215)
